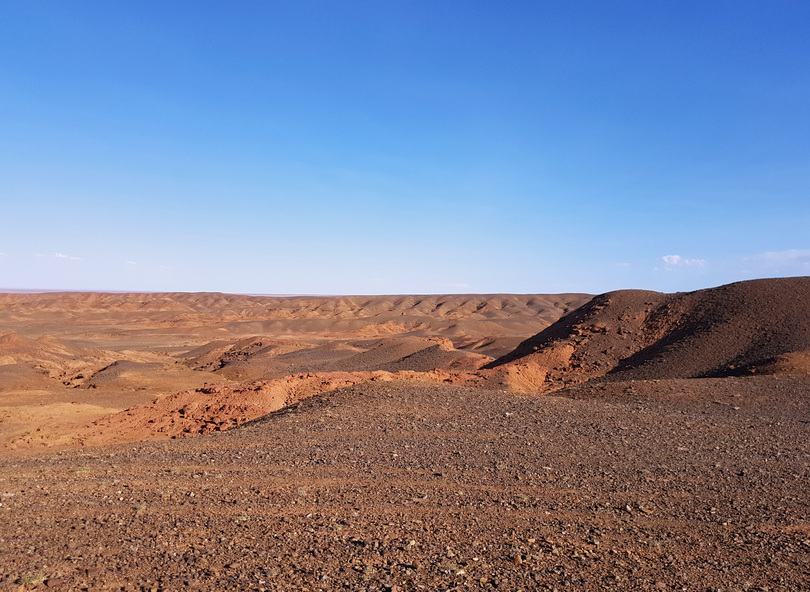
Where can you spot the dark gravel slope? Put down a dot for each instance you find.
(734, 329)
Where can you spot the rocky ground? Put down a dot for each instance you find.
(692, 485)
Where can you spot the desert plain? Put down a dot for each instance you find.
(627, 441)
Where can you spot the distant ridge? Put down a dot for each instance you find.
(453, 314)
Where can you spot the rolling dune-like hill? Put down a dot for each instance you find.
(256, 315)
(67, 359)
(757, 326)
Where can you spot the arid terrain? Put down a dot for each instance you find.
(67, 360)
(628, 441)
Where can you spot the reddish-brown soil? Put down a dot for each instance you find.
(67, 360)
(669, 451)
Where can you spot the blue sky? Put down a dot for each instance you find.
(402, 147)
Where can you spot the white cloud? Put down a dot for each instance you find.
(131, 263)
(58, 256)
(678, 261)
(63, 256)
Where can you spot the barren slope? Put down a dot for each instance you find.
(741, 328)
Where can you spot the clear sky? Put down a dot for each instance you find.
(342, 147)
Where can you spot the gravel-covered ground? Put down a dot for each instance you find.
(661, 485)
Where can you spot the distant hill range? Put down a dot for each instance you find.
(758, 326)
